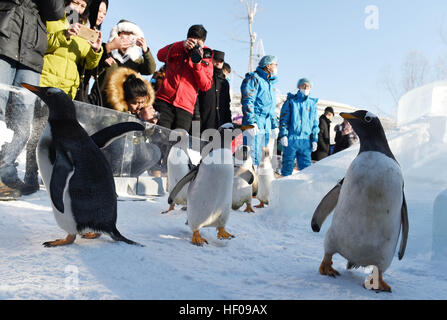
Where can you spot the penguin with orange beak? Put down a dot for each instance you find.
(370, 207)
(75, 172)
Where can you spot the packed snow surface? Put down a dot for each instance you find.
(275, 254)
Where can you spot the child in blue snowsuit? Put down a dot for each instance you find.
(259, 105)
(299, 128)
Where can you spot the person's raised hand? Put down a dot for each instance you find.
(73, 30)
(141, 42)
(97, 44)
(189, 43)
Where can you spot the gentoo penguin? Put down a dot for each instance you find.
(370, 206)
(179, 164)
(242, 189)
(76, 174)
(210, 189)
(266, 176)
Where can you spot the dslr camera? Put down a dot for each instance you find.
(196, 56)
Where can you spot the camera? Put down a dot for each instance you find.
(195, 54)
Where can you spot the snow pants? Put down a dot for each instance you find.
(300, 149)
(260, 140)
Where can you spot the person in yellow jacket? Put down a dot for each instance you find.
(66, 51)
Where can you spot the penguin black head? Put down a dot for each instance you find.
(370, 131)
(364, 123)
(60, 104)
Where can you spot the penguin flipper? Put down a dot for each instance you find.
(61, 169)
(189, 177)
(106, 136)
(245, 174)
(405, 228)
(326, 206)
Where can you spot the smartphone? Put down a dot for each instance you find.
(88, 34)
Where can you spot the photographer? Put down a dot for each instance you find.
(66, 49)
(188, 70)
(127, 47)
(128, 91)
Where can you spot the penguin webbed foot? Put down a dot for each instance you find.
(197, 239)
(249, 209)
(260, 205)
(60, 242)
(91, 235)
(171, 208)
(383, 286)
(326, 268)
(222, 234)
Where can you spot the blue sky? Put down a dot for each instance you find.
(324, 40)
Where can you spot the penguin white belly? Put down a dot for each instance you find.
(366, 223)
(177, 169)
(64, 220)
(265, 179)
(210, 194)
(242, 193)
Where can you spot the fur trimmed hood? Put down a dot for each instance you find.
(115, 90)
(133, 52)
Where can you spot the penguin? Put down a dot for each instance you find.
(210, 188)
(75, 172)
(179, 164)
(370, 210)
(242, 190)
(266, 176)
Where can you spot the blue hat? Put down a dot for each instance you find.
(266, 60)
(303, 81)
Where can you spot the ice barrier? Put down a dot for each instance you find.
(132, 155)
(430, 99)
(439, 250)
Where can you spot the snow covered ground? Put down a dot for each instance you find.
(275, 254)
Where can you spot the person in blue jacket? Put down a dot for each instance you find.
(259, 105)
(299, 128)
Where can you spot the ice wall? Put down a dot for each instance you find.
(440, 227)
(430, 100)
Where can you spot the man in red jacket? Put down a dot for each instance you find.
(188, 70)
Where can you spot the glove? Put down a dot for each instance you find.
(275, 133)
(285, 142)
(314, 146)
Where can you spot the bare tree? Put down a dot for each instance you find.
(440, 68)
(415, 70)
(390, 84)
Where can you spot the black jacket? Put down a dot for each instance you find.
(23, 34)
(344, 141)
(214, 104)
(324, 141)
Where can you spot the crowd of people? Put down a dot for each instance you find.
(59, 43)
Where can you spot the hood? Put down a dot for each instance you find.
(133, 53)
(115, 90)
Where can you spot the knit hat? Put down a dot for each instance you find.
(133, 52)
(219, 55)
(303, 81)
(329, 110)
(266, 60)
